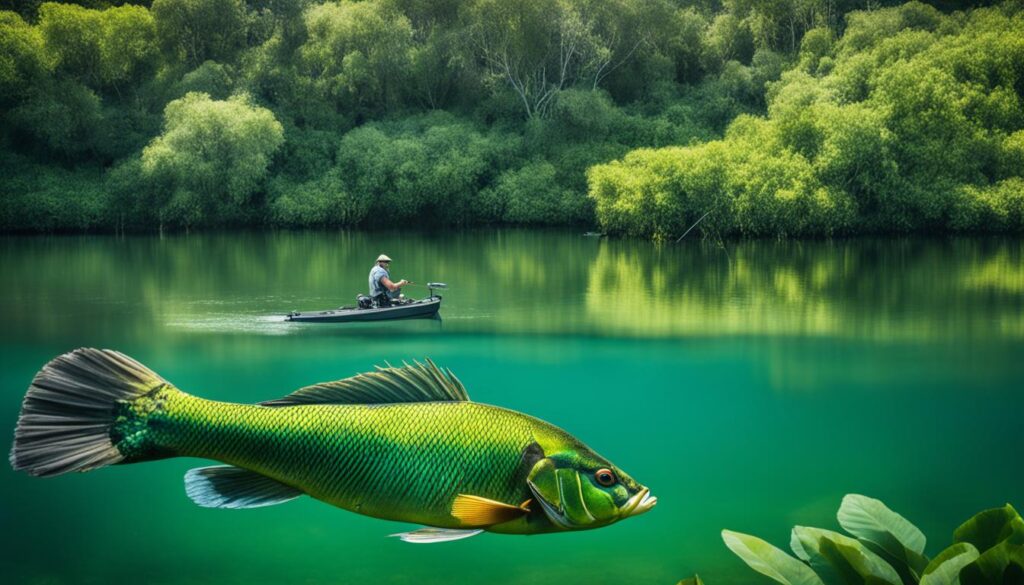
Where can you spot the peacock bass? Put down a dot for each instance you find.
(401, 443)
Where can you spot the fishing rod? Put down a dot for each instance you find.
(693, 226)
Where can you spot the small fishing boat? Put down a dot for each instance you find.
(406, 309)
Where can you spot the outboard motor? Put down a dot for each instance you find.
(364, 302)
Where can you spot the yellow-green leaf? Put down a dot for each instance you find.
(988, 528)
(870, 520)
(769, 560)
(839, 559)
(945, 568)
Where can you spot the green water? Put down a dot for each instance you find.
(750, 387)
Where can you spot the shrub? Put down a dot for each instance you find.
(430, 168)
(318, 202)
(49, 199)
(211, 159)
(531, 195)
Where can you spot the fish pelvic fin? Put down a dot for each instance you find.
(227, 486)
(431, 535)
(418, 382)
(475, 511)
(78, 413)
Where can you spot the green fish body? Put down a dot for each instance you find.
(401, 444)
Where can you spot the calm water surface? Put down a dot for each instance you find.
(749, 386)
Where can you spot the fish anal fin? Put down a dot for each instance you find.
(227, 486)
(430, 535)
(478, 511)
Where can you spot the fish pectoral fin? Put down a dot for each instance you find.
(227, 486)
(477, 511)
(430, 535)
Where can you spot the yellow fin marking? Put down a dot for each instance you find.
(477, 511)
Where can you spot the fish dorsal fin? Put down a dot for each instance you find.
(409, 383)
(474, 511)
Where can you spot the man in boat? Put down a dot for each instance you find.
(382, 290)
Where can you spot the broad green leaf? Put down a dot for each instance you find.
(1003, 564)
(805, 544)
(769, 560)
(900, 541)
(843, 559)
(988, 528)
(910, 567)
(695, 580)
(872, 520)
(945, 568)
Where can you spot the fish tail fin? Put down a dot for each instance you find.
(79, 411)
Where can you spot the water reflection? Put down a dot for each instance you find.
(521, 282)
(910, 289)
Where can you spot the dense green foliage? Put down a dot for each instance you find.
(780, 118)
(210, 160)
(911, 121)
(886, 549)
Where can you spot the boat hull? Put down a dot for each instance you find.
(422, 309)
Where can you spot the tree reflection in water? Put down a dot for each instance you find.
(522, 282)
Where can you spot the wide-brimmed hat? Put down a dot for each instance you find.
(383, 258)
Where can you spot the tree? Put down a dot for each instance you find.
(23, 61)
(623, 31)
(60, 118)
(128, 50)
(780, 24)
(193, 31)
(72, 35)
(728, 38)
(114, 48)
(211, 158)
(358, 54)
(535, 47)
(686, 45)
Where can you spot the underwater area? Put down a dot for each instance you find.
(750, 385)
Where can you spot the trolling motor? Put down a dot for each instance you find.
(432, 285)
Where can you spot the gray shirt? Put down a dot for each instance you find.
(376, 287)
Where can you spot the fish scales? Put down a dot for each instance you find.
(406, 460)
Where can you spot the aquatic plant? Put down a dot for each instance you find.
(886, 549)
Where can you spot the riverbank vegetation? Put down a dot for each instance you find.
(910, 121)
(809, 117)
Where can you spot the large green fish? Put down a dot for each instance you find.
(400, 443)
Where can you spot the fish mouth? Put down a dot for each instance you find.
(642, 502)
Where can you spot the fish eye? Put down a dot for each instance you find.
(605, 477)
